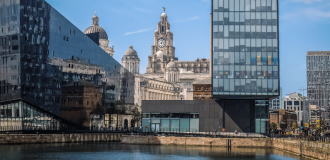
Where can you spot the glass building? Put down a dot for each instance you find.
(245, 49)
(245, 55)
(41, 51)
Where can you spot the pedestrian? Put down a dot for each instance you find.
(140, 128)
(160, 129)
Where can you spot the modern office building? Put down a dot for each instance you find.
(41, 51)
(318, 78)
(295, 102)
(276, 103)
(245, 57)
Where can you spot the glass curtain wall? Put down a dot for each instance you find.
(22, 116)
(41, 51)
(245, 47)
(173, 122)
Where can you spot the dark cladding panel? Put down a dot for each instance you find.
(174, 105)
(247, 117)
(197, 106)
(152, 106)
(181, 106)
(186, 106)
(167, 106)
(144, 106)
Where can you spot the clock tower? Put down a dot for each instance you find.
(162, 52)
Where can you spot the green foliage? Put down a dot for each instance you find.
(136, 115)
(294, 125)
(273, 126)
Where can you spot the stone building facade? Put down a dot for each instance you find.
(163, 52)
(103, 36)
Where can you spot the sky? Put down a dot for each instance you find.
(304, 26)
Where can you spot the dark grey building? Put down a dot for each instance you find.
(40, 51)
(204, 115)
(245, 54)
(318, 78)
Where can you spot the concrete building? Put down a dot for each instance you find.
(295, 102)
(276, 103)
(318, 86)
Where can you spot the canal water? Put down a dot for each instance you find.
(88, 151)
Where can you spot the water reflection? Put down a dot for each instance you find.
(124, 151)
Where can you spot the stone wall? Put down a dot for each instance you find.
(198, 141)
(59, 138)
(310, 149)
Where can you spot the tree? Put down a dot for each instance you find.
(136, 115)
(294, 125)
(273, 126)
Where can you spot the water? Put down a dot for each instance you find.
(80, 151)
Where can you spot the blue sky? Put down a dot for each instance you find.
(304, 26)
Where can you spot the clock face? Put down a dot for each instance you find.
(161, 42)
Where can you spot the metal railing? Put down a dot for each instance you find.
(193, 133)
(324, 138)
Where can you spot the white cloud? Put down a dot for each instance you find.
(142, 10)
(138, 31)
(307, 1)
(188, 19)
(307, 12)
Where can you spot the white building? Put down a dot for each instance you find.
(295, 102)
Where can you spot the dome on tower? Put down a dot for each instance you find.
(130, 52)
(160, 54)
(171, 65)
(96, 28)
(164, 15)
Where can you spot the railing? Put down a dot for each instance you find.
(324, 138)
(62, 129)
(193, 133)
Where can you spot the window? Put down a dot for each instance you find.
(296, 102)
(289, 102)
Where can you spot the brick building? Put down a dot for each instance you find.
(282, 118)
(79, 100)
(202, 90)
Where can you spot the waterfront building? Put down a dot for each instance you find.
(318, 86)
(165, 70)
(295, 102)
(202, 90)
(245, 58)
(41, 51)
(283, 118)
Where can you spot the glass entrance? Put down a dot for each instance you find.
(155, 127)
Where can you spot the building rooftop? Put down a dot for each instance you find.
(204, 81)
